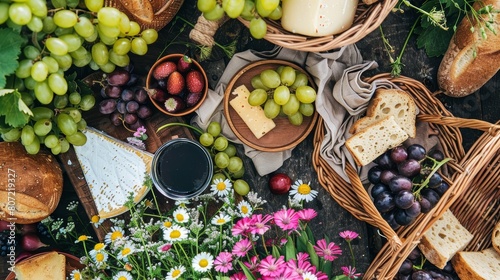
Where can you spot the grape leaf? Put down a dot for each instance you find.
(10, 48)
(15, 116)
(433, 46)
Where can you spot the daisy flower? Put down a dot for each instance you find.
(76, 275)
(245, 209)
(175, 272)
(309, 276)
(123, 275)
(182, 203)
(83, 238)
(116, 233)
(302, 191)
(175, 233)
(328, 252)
(221, 187)
(181, 216)
(166, 224)
(220, 219)
(223, 261)
(286, 219)
(128, 248)
(242, 247)
(202, 262)
(96, 221)
(99, 257)
(272, 267)
(259, 224)
(99, 246)
(348, 235)
(350, 272)
(306, 215)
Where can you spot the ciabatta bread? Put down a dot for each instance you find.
(390, 102)
(471, 59)
(444, 239)
(483, 265)
(372, 141)
(46, 266)
(495, 237)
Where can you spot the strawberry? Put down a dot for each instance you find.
(163, 70)
(174, 104)
(184, 64)
(175, 83)
(195, 81)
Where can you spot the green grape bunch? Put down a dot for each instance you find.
(255, 11)
(55, 37)
(283, 91)
(228, 164)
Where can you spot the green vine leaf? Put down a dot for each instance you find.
(15, 116)
(10, 48)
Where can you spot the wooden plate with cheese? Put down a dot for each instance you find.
(280, 136)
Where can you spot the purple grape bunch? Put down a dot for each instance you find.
(416, 267)
(124, 100)
(405, 183)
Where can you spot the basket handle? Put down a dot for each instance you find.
(485, 126)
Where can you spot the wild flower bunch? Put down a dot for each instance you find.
(215, 236)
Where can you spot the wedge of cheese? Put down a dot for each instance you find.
(253, 116)
(113, 169)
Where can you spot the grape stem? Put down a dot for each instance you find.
(437, 165)
(199, 131)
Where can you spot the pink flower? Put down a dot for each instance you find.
(348, 235)
(259, 224)
(350, 272)
(300, 265)
(242, 247)
(287, 219)
(328, 252)
(165, 247)
(253, 264)
(238, 276)
(287, 274)
(242, 227)
(140, 133)
(272, 267)
(307, 215)
(223, 261)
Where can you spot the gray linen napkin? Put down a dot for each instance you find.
(342, 96)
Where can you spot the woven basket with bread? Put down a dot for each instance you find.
(354, 196)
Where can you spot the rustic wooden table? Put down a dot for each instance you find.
(332, 218)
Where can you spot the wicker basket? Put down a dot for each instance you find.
(164, 11)
(354, 197)
(366, 19)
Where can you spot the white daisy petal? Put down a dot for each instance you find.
(202, 262)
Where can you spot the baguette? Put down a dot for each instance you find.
(390, 102)
(483, 265)
(444, 239)
(495, 237)
(470, 60)
(372, 141)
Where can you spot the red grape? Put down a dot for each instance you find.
(121, 106)
(107, 106)
(416, 151)
(130, 118)
(127, 94)
(141, 95)
(404, 199)
(374, 174)
(144, 112)
(409, 168)
(398, 154)
(119, 77)
(116, 118)
(399, 183)
(112, 91)
(384, 202)
(132, 107)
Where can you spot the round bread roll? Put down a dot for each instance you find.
(30, 185)
(495, 237)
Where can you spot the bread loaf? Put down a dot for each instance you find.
(30, 185)
(483, 265)
(471, 59)
(495, 237)
(45, 266)
(390, 102)
(444, 239)
(372, 141)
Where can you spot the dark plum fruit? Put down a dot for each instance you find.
(398, 154)
(107, 106)
(384, 161)
(384, 202)
(409, 168)
(414, 210)
(374, 174)
(130, 118)
(387, 175)
(127, 94)
(378, 189)
(112, 91)
(141, 96)
(404, 199)
(399, 183)
(402, 218)
(121, 106)
(416, 151)
(132, 107)
(119, 77)
(144, 112)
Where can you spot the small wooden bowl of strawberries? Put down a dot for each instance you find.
(177, 85)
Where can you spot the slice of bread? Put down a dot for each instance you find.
(483, 265)
(444, 239)
(46, 266)
(495, 237)
(390, 102)
(372, 141)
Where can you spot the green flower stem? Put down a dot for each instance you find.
(435, 168)
(199, 131)
(352, 254)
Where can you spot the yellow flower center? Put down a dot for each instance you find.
(203, 263)
(180, 217)
(221, 186)
(167, 224)
(221, 221)
(304, 189)
(99, 257)
(77, 276)
(176, 273)
(244, 209)
(82, 238)
(126, 251)
(115, 235)
(122, 278)
(175, 234)
(95, 219)
(99, 246)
